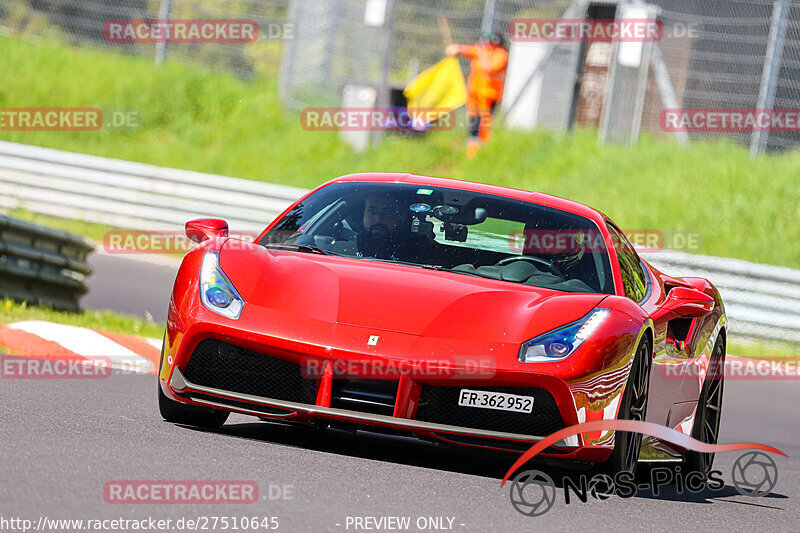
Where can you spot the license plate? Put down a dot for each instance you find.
(496, 400)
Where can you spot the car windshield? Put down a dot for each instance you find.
(453, 230)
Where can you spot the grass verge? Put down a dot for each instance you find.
(11, 311)
(763, 349)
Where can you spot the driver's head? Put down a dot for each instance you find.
(562, 246)
(382, 215)
(492, 40)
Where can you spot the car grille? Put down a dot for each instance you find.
(224, 366)
(364, 395)
(440, 405)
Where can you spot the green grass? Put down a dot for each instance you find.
(91, 230)
(11, 311)
(757, 349)
(213, 122)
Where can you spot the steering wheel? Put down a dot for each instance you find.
(533, 259)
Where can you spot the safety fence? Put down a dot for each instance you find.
(131, 195)
(714, 55)
(762, 301)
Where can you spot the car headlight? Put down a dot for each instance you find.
(216, 291)
(562, 342)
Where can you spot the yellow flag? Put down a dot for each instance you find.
(441, 87)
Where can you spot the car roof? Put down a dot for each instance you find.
(539, 198)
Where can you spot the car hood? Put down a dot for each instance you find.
(398, 298)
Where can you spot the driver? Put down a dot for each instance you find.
(563, 247)
(386, 231)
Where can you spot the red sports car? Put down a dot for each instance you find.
(458, 312)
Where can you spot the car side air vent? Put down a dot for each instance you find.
(679, 328)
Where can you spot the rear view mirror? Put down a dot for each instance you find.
(686, 303)
(202, 229)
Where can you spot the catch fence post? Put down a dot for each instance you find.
(772, 68)
(161, 45)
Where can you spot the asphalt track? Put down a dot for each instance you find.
(134, 284)
(63, 440)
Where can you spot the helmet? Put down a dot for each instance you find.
(494, 38)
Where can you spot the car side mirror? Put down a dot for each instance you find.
(685, 302)
(202, 229)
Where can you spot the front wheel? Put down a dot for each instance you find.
(190, 415)
(633, 406)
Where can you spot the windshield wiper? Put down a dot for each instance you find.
(300, 248)
(408, 263)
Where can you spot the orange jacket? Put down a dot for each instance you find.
(486, 75)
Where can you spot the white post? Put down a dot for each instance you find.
(772, 67)
(383, 98)
(664, 84)
(161, 46)
(488, 16)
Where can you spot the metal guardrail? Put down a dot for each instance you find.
(762, 301)
(42, 265)
(132, 195)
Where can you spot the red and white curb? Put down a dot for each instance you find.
(48, 340)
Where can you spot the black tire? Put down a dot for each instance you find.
(190, 415)
(633, 406)
(709, 412)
